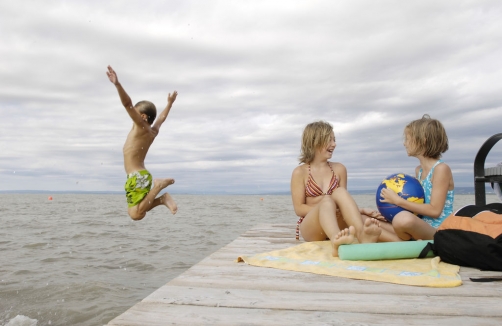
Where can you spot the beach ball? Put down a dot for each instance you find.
(406, 186)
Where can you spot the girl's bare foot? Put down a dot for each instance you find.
(371, 231)
(167, 200)
(345, 236)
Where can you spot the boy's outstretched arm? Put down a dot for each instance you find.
(124, 98)
(163, 115)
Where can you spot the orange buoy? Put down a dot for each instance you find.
(50, 198)
(261, 198)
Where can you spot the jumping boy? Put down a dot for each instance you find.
(139, 190)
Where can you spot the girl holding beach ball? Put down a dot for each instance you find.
(426, 140)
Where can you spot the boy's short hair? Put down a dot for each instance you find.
(315, 135)
(427, 136)
(148, 108)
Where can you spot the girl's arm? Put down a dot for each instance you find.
(341, 172)
(440, 184)
(298, 193)
(372, 213)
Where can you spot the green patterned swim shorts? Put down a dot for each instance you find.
(137, 186)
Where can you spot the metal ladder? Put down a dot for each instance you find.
(482, 175)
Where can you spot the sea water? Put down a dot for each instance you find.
(80, 260)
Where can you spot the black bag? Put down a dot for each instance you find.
(471, 237)
(470, 249)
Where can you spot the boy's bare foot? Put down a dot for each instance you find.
(371, 231)
(162, 183)
(345, 236)
(167, 200)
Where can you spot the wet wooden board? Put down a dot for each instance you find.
(219, 291)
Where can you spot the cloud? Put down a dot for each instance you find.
(250, 76)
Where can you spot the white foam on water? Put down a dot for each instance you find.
(21, 320)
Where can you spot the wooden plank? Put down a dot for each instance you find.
(219, 291)
(281, 280)
(152, 314)
(335, 302)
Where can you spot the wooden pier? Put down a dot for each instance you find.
(219, 291)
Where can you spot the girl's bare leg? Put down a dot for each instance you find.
(345, 236)
(409, 226)
(388, 234)
(365, 232)
(320, 223)
(371, 231)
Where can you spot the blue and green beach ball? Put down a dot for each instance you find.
(406, 186)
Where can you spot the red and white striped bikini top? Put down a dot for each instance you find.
(313, 190)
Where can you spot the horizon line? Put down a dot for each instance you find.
(458, 190)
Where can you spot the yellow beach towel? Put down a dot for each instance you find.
(315, 257)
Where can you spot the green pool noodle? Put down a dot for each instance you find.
(383, 250)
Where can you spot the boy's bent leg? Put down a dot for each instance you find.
(167, 201)
(135, 213)
(137, 187)
(149, 201)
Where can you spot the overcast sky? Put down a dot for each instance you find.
(250, 76)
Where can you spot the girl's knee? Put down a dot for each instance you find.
(404, 220)
(327, 201)
(340, 195)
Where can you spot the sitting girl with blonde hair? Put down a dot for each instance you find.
(318, 190)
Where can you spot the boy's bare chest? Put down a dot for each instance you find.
(138, 141)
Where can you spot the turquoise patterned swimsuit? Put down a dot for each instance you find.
(448, 204)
